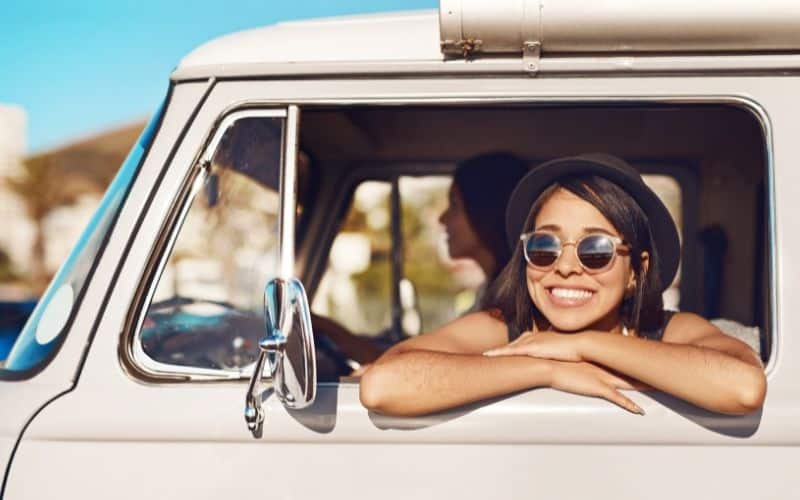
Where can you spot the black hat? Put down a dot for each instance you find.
(662, 227)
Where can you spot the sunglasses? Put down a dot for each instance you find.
(595, 252)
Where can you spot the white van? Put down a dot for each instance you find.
(313, 158)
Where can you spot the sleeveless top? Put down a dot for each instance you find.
(654, 334)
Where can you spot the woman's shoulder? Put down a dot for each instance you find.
(684, 327)
(484, 317)
(473, 332)
(509, 328)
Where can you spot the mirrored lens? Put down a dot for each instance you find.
(542, 249)
(596, 251)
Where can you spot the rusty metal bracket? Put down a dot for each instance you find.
(531, 55)
(467, 47)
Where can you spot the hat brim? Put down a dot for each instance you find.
(662, 226)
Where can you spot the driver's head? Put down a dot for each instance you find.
(477, 203)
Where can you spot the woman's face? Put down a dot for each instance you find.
(462, 242)
(570, 298)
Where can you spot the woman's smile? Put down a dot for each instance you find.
(561, 296)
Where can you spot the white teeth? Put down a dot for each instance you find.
(571, 293)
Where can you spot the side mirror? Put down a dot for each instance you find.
(288, 348)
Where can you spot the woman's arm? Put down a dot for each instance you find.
(419, 382)
(695, 361)
(445, 368)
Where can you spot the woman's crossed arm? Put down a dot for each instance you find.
(446, 368)
(695, 361)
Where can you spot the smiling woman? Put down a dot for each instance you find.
(580, 319)
(604, 203)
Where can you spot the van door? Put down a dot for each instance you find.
(171, 423)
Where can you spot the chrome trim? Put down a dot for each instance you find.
(288, 195)
(133, 356)
(229, 120)
(197, 178)
(762, 116)
(742, 102)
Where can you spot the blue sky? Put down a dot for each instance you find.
(78, 67)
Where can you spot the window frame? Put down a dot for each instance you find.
(135, 356)
(312, 271)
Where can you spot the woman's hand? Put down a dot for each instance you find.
(591, 380)
(570, 372)
(545, 345)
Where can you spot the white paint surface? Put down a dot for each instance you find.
(55, 315)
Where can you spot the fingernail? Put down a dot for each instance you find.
(639, 410)
(488, 353)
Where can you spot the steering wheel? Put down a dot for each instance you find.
(227, 340)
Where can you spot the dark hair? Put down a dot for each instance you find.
(642, 311)
(485, 183)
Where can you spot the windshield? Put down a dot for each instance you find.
(46, 328)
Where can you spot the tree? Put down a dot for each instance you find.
(6, 267)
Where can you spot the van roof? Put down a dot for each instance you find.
(410, 42)
(397, 36)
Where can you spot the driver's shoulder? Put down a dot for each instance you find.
(492, 318)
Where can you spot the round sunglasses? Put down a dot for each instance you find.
(595, 252)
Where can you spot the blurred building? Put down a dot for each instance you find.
(83, 168)
(46, 198)
(16, 240)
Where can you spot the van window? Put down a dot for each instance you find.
(356, 287)
(206, 311)
(695, 170)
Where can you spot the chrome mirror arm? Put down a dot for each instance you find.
(253, 411)
(293, 374)
(271, 350)
(277, 314)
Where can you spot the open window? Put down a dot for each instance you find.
(697, 157)
(372, 183)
